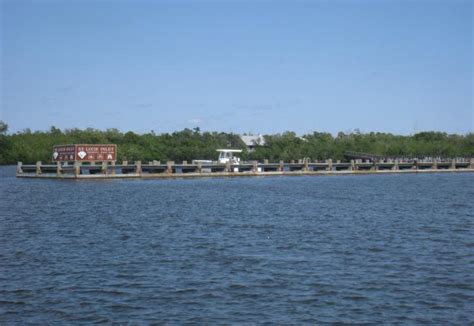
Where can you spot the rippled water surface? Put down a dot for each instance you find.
(342, 249)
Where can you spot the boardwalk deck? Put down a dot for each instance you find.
(184, 170)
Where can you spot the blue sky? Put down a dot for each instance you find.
(238, 66)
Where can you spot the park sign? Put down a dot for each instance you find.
(85, 153)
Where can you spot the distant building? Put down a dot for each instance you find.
(252, 141)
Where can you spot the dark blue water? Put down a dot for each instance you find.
(287, 250)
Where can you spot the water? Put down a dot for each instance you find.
(342, 249)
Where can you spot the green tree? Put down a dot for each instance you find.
(3, 127)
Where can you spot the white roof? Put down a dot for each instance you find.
(229, 150)
(253, 140)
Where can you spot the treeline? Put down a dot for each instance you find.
(320, 145)
(29, 147)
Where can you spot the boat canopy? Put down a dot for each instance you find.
(229, 150)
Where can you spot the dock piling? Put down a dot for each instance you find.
(329, 162)
(395, 165)
(19, 168)
(138, 167)
(104, 168)
(77, 169)
(38, 168)
(255, 166)
(169, 167)
(374, 166)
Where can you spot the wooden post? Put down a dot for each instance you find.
(395, 165)
(329, 162)
(138, 167)
(373, 167)
(265, 162)
(199, 167)
(471, 165)
(104, 168)
(77, 169)
(38, 168)
(58, 168)
(281, 168)
(255, 166)
(434, 166)
(306, 166)
(353, 166)
(169, 167)
(227, 166)
(453, 164)
(19, 168)
(112, 164)
(377, 164)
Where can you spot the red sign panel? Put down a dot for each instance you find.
(96, 152)
(64, 153)
(85, 152)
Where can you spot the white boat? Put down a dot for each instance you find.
(228, 155)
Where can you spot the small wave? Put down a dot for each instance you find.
(16, 303)
(375, 249)
(185, 291)
(355, 298)
(237, 287)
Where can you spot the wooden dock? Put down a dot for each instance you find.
(156, 169)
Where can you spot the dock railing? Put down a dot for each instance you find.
(302, 166)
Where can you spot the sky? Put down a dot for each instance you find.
(238, 66)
